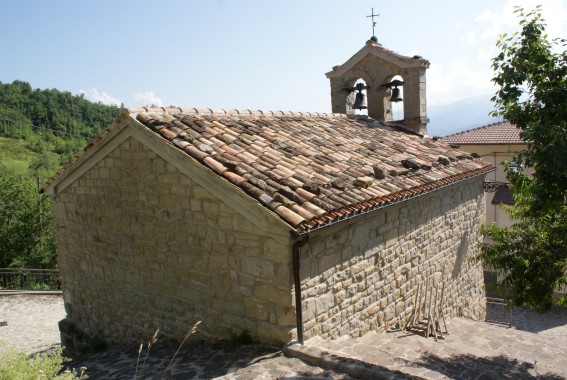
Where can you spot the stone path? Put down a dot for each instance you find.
(33, 326)
(201, 361)
(31, 321)
(535, 347)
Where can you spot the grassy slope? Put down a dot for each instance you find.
(15, 156)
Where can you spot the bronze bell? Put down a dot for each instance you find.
(395, 95)
(359, 101)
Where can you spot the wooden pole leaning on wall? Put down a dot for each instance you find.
(427, 313)
(413, 316)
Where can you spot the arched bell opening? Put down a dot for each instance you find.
(394, 99)
(357, 100)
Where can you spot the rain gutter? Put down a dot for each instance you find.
(297, 284)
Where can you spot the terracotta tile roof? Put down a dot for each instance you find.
(503, 195)
(312, 169)
(502, 132)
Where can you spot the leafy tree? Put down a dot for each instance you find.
(54, 125)
(44, 166)
(27, 234)
(13, 123)
(60, 121)
(532, 253)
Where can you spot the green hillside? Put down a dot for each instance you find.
(42, 129)
(15, 155)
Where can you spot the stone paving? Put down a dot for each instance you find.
(31, 321)
(535, 347)
(32, 325)
(201, 361)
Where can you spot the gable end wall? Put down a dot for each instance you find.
(142, 247)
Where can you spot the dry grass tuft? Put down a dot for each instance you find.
(151, 342)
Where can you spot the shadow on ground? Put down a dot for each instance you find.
(194, 361)
(469, 366)
(198, 360)
(537, 322)
(525, 319)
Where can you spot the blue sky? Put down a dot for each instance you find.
(254, 54)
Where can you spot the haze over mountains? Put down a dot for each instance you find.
(459, 116)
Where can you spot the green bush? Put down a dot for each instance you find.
(43, 365)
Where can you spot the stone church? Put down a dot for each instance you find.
(285, 225)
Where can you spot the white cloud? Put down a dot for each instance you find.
(486, 53)
(554, 13)
(100, 97)
(490, 25)
(147, 98)
(455, 82)
(469, 37)
(495, 23)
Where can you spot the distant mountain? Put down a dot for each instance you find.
(459, 116)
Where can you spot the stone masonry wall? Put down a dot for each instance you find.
(364, 275)
(142, 247)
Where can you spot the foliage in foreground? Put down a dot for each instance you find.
(50, 364)
(27, 234)
(44, 365)
(532, 253)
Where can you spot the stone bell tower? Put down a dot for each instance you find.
(377, 66)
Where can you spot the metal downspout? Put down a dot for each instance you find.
(297, 283)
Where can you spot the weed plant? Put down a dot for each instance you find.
(141, 369)
(49, 364)
(44, 365)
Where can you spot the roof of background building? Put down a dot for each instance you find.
(502, 132)
(503, 195)
(311, 169)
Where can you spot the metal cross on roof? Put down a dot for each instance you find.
(373, 22)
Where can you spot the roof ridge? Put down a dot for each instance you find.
(499, 132)
(216, 112)
(308, 174)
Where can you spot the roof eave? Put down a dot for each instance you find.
(389, 200)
